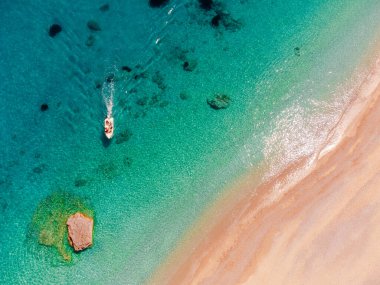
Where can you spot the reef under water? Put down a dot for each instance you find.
(48, 226)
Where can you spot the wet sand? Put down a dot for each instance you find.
(325, 229)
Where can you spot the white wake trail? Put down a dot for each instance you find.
(107, 92)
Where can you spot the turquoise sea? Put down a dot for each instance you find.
(289, 69)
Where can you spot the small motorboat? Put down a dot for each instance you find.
(108, 127)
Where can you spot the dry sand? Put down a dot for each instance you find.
(324, 230)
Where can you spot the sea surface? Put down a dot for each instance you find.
(290, 68)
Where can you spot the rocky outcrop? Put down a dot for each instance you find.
(49, 223)
(80, 228)
(219, 101)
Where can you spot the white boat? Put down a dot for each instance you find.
(108, 127)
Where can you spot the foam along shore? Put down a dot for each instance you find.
(325, 229)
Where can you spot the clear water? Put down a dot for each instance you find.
(177, 154)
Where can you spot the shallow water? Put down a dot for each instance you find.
(282, 63)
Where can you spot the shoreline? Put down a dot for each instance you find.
(254, 234)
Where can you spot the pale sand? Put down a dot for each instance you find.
(324, 230)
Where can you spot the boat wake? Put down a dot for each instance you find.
(108, 91)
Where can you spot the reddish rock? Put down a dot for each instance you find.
(80, 229)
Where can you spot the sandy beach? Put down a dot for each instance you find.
(323, 230)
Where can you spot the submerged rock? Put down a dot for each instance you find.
(189, 65)
(80, 229)
(219, 101)
(79, 182)
(98, 84)
(44, 107)
(90, 41)
(183, 95)
(93, 26)
(54, 30)
(179, 53)
(123, 137)
(229, 22)
(142, 101)
(155, 99)
(126, 68)
(159, 80)
(39, 169)
(215, 20)
(157, 3)
(4, 205)
(104, 7)
(127, 161)
(108, 169)
(206, 4)
(140, 75)
(297, 51)
(163, 104)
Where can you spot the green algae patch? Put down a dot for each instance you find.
(48, 225)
